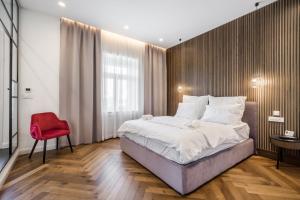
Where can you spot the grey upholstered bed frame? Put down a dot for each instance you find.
(186, 178)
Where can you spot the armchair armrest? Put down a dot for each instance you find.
(35, 131)
(63, 124)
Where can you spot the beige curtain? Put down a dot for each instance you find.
(79, 83)
(155, 85)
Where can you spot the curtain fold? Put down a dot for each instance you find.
(79, 82)
(122, 79)
(155, 83)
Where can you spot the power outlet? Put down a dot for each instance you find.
(276, 119)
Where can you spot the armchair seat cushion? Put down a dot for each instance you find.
(54, 133)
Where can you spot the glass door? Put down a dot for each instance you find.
(14, 78)
(9, 12)
(5, 93)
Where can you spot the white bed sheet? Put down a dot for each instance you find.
(171, 152)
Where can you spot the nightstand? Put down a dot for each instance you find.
(280, 143)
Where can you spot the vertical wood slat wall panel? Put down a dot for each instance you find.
(223, 61)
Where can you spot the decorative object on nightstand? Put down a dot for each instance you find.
(284, 142)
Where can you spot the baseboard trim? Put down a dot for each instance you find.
(37, 149)
(273, 155)
(5, 171)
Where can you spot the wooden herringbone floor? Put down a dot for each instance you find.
(102, 171)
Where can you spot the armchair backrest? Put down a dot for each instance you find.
(46, 121)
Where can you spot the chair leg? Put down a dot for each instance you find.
(32, 150)
(44, 156)
(70, 143)
(57, 141)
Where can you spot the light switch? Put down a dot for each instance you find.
(27, 93)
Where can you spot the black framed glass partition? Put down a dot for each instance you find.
(9, 26)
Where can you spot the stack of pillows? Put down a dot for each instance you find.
(224, 110)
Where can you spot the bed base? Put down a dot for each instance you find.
(186, 178)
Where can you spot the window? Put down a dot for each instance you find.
(120, 83)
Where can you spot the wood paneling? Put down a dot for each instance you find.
(223, 61)
(102, 171)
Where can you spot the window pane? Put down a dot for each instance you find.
(15, 64)
(14, 116)
(7, 4)
(15, 36)
(109, 95)
(122, 95)
(4, 18)
(15, 14)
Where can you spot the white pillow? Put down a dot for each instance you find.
(190, 99)
(187, 110)
(201, 102)
(224, 114)
(219, 101)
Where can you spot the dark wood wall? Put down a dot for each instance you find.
(222, 62)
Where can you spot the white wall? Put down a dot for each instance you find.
(38, 70)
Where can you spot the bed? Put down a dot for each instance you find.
(185, 178)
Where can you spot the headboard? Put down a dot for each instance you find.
(250, 117)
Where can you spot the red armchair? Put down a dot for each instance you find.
(46, 126)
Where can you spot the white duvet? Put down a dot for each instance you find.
(177, 133)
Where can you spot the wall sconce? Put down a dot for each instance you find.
(180, 89)
(257, 82)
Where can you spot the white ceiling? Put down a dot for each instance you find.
(149, 20)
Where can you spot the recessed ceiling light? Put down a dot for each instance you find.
(161, 39)
(126, 27)
(61, 4)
